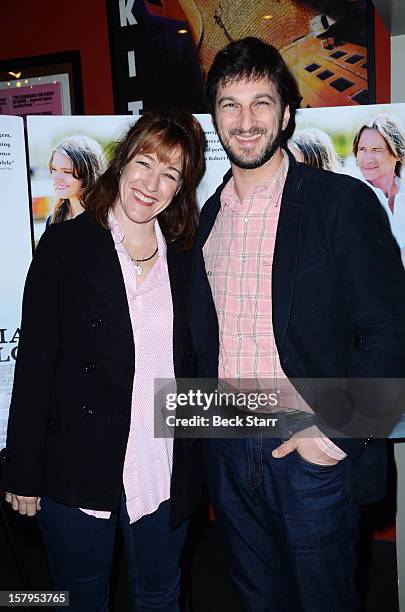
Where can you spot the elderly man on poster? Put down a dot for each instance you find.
(296, 277)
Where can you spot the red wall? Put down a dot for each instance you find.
(47, 26)
(39, 27)
(382, 61)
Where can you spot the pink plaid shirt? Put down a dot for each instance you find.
(238, 257)
(148, 460)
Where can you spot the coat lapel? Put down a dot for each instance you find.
(178, 286)
(102, 265)
(286, 250)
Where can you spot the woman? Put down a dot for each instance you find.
(315, 148)
(379, 147)
(75, 163)
(111, 288)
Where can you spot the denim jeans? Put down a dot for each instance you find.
(289, 527)
(80, 552)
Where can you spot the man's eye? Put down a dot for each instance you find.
(262, 103)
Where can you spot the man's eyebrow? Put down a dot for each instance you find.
(225, 98)
(266, 95)
(256, 97)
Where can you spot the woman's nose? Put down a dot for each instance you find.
(152, 181)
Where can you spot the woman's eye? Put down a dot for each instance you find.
(62, 171)
(143, 163)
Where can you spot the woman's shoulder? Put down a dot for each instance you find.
(61, 236)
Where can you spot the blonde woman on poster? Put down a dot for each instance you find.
(315, 147)
(379, 147)
(74, 163)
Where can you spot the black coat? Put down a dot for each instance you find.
(71, 404)
(338, 298)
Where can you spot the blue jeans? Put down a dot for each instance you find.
(80, 552)
(289, 527)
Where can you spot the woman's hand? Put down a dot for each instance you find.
(24, 505)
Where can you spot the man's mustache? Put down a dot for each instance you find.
(254, 131)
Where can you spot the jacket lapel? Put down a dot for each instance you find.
(177, 263)
(102, 265)
(286, 250)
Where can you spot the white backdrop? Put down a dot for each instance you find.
(15, 251)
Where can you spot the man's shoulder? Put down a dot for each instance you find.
(316, 177)
(214, 201)
(338, 190)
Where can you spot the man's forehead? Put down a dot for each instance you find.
(252, 85)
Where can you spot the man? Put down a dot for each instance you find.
(296, 276)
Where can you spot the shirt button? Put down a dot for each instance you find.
(245, 219)
(243, 257)
(87, 410)
(237, 375)
(5, 455)
(95, 323)
(89, 368)
(239, 337)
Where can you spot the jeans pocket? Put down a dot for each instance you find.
(318, 466)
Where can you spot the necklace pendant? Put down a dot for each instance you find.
(138, 269)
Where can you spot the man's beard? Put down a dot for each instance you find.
(244, 161)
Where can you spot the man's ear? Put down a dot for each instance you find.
(286, 117)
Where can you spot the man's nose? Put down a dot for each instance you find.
(246, 119)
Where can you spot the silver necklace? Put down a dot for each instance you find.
(138, 268)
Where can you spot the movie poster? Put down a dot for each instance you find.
(44, 99)
(161, 50)
(365, 142)
(15, 252)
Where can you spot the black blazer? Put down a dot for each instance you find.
(338, 291)
(70, 409)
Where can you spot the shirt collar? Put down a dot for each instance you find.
(273, 187)
(118, 234)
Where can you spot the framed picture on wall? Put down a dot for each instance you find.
(161, 50)
(42, 85)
